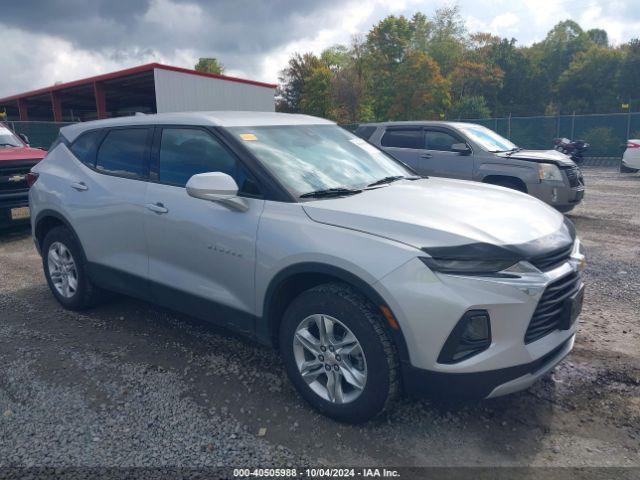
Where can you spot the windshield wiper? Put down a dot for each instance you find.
(384, 180)
(331, 192)
(513, 150)
(7, 145)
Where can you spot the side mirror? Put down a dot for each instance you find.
(462, 148)
(216, 187)
(24, 138)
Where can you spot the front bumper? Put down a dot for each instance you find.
(486, 384)
(9, 201)
(558, 195)
(428, 305)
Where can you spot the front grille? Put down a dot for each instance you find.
(550, 260)
(549, 312)
(14, 180)
(574, 174)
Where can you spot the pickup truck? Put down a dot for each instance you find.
(16, 160)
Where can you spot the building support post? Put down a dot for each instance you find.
(56, 106)
(101, 101)
(22, 110)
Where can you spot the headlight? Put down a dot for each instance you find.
(549, 172)
(467, 267)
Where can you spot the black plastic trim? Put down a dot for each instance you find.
(450, 347)
(564, 237)
(475, 385)
(266, 327)
(173, 299)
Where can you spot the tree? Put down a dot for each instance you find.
(421, 92)
(447, 40)
(587, 85)
(628, 75)
(315, 98)
(475, 79)
(470, 107)
(209, 65)
(292, 81)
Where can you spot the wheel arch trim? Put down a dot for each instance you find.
(266, 330)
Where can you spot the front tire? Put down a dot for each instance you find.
(65, 270)
(338, 354)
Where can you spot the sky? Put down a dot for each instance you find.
(45, 42)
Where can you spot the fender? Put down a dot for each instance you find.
(266, 330)
(58, 216)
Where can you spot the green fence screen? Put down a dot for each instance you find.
(607, 134)
(40, 134)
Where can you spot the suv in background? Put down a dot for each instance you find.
(472, 152)
(16, 160)
(296, 232)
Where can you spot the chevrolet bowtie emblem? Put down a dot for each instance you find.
(17, 178)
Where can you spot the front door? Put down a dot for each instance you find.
(440, 161)
(201, 253)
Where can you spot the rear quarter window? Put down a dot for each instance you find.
(84, 147)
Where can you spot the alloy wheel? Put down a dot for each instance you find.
(62, 269)
(330, 358)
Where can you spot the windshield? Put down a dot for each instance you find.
(8, 139)
(487, 139)
(309, 158)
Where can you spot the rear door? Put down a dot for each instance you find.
(439, 160)
(201, 253)
(106, 202)
(405, 143)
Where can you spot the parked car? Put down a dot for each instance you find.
(367, 278)
(473, 152)
(16, 160)
(631, 158)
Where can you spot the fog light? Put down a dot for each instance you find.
(470, 336)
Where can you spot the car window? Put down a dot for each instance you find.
(84, 147)
(365, 132)
(436, 140)
(124, 152)
(396, 138)
(185, 152)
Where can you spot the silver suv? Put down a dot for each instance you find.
(370, 281)
(473, 152)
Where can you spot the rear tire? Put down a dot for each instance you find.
(65, 270)
(625, 169)
(365, 376)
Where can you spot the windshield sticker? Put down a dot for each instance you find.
(250, 137)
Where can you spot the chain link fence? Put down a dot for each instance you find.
(607, 134)
(40, 134)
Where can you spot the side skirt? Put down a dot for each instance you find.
(207, 310)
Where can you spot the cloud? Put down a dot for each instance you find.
(70, 39)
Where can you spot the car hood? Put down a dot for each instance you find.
(434, 212)
(547, 156)
(21, 153)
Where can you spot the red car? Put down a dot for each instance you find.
(16, 160)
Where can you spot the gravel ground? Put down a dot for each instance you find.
(129, 384)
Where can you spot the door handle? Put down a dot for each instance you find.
(425, 155)
(158, 208)
(79, 186)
